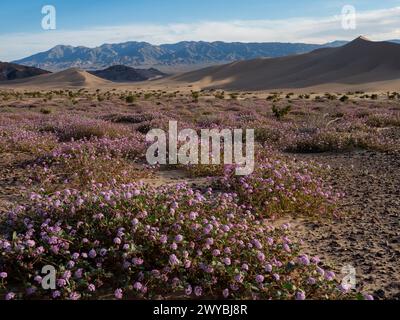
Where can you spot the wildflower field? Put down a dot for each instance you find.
(77, 193)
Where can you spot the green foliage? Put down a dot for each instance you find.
(195, 96)
(280, 113)
(45, 111)
(234, 96)
(130, 99)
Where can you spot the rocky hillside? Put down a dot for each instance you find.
(12, 71)
(143, 54)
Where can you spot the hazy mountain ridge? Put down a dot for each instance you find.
(187, 53)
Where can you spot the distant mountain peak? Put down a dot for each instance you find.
(360, 42)
(362, 38)
(363, 43)
(191, 54)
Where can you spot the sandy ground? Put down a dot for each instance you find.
(368, 237)
(10, 181)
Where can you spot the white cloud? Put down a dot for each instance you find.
(377, 25)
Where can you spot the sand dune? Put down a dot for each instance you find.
(361, 63)
(71, 78)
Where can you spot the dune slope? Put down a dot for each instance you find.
(70, 78)
(359, 62)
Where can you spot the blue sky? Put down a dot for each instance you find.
(25, 15)
(93, 22)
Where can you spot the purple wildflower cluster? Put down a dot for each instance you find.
(148, 242)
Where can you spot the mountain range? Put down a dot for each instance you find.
(182, 56)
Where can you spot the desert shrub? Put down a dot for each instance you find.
(344, 98)
(289, 95)
(338, 115)
(19, 139)
(324, 140)
(280, 113)
(220, 95)
(245, 117)
(79, 164)
(204, 170)
(278, 187)
(195, 96)
(130, 99)
(273, 97)
(330, 96)
(45, 111)
(144, 127)
(233, 108)
(78, 128)
(129, 118)
(362, 113)
(234, 95)
(148, 95)
(208, 121)
(267, 135)
(319, 99)
(158, 122)
(384, 120)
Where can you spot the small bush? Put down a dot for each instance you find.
(195, 96)
(129, 118)
(130, 99)
(279, 113)
(234, 96)
(384, 120)
(45, 111)
(74, 128)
